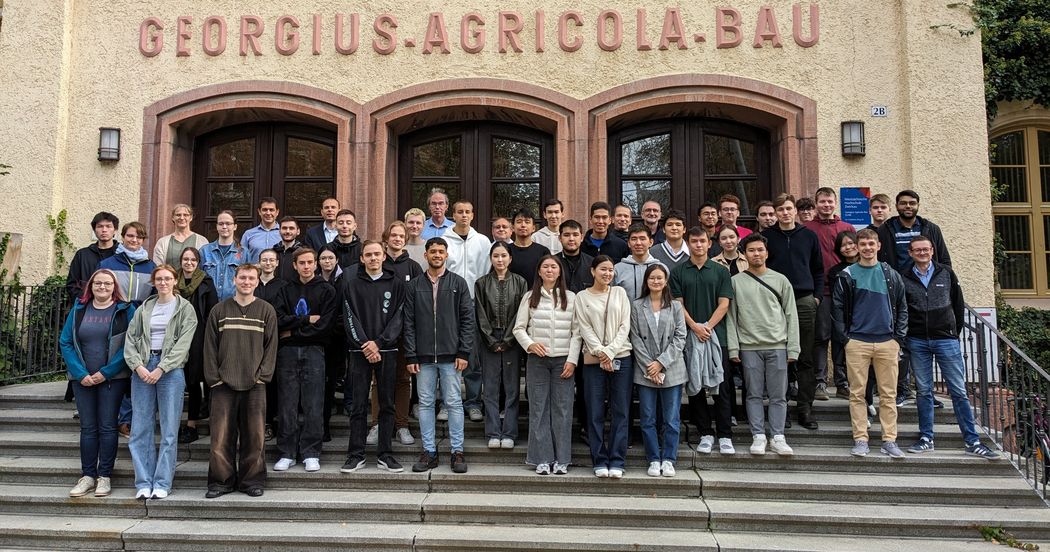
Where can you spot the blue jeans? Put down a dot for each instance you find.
(600, 386)
(155, 469)
(949, 359)
(668, 400)
(427, 380)
(98, 405)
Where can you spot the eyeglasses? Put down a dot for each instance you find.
(102, 284)
(922, 251)
(225, 223)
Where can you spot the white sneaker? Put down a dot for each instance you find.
(725, 446)
(706, 442)
(601, 471)
(506, 443)
(561, 469)
(654, 469)
(780, 446)
(143, 493)
(758, 445)
(616, 473)
(85, 485)
(283, 464)
(667, 468)
(442, 415)
(494, 443)
(543, 469)
(312, 464)
(373, 436)
(405, 436)
(159, 494)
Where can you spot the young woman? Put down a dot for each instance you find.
(545, 327)
(328, 264)
(169, 248)
(92, 344)
(158, 343)
(497, 296)
(603, 315)
(195, 286)
(658, 334)
(730, 256)
(335, 352)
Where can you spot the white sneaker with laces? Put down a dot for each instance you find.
(781, 447)
(143, 493)
(312, 464)
(654, 469)
(404, 435)
(725, 446)
(601, 471)
(506, 443)
(667, 468)
(373, 436)
(561, 469)
(706, 442)
(159, 494)
(494, 443)
(758, 445)
(616, 473)
(543, 469)
(283, 464)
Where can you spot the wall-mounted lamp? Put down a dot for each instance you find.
(108, 144)
(852, 138)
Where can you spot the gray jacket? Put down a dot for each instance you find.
(662, 341)
(630, 274)
(703, 364)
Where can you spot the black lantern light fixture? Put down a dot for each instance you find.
(108, 144)
(852, 138)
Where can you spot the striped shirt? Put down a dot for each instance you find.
(240, 344)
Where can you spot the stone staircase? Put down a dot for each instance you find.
(821, 499)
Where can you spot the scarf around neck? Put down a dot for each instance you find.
(187, 289)
(136, 256)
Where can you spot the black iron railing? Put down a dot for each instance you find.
(31, 319)
(1009, 395)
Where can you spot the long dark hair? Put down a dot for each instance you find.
(664, 302)
(560, 289)
(196, 254)
(506, 247)
(840, 238)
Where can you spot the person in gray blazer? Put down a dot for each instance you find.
(658, 334)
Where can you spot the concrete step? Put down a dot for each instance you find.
(762, 542)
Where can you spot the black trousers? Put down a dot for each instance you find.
(361, 374)
(237, 416)
(701, 414)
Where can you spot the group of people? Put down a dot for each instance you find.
(260, 332)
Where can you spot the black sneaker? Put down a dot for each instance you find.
(427, 461)
(459, 463)
(389, 463)
(353, 463)
(921, 446)
(979, 450)
(188, 435)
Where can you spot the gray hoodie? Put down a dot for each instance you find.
(630, 274)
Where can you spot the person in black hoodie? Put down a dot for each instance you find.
(346, 244)
(372, 301)
(287, 247)
(599, 240)
(305, 312)
(269, 289)
(87, 259)
(194, 285)
(794, 251)
(575, 264)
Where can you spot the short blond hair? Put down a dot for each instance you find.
(415, 212)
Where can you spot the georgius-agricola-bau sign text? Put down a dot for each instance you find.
(473, 32)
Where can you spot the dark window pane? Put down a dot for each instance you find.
(637, 192)
(421, 194)
(440, 158)
(302, 199)
(235, 196)
(1044, 147)
(232, 159)
(724, 155)
(746, 190)
(1013, 183)
(1014, 231)
(1044, 179)
(513, 159)
(309, 158)
(1016, 271)
(1008, 149)
(647, 156)
(509, 197)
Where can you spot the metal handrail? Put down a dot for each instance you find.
(31, 319)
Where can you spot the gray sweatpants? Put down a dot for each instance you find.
(550, 411)
(766, 374)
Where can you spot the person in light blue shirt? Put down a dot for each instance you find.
(264, 236)
(435, 226)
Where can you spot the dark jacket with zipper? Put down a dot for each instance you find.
(934, 312)
(285, 264)
(796, 254)
(320, 300)
(85, 263)
(115, 368)
(888, 242)
(403, 267)
(577, 273)
(842, 304)
(440, 331)
(497, 307)
(373, 310)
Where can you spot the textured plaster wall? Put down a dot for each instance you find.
(880, 52)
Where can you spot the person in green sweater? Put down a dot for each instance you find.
(762, 332)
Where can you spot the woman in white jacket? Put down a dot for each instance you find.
(546, 329)
(603, 315)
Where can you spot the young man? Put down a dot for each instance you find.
(305, 314)
(131, 263)
(553, 209)
(871, 319)
(766, 215)
(630, 272)
(398, 260)
(437, 224)
(221, 257)
(525, 254)
(599, 240)
(575, 264)
(267, 233)
(794, 251)
(673, 251)
(806, 209)
(704, 289)
(502, 230)
(87, 259)
(326, 231)
(346, 244)
(707, 214)
(240, 349)
(373, 300)
(438, 339)
(269, 289)
(763, 336)
(652, 212)
(287, 247)
(935, 321)
(896, 234)
(729, 208)
(879, 209)
(468, 249)
(621, 219)
(414, 219)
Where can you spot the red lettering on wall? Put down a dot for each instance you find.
(286, 35)
(766, 28)
(183, 36)
(472, 39)
(151, 39)
(437, 34)
(541, 31)
(604, 42)
(210, 48)
(814, 25)
(347, 49)
(639, 33)
(385, 26)
(563, 31)
(251, 30)
(509, 26)
(673, 30)
(317, 35)
(722, 27)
